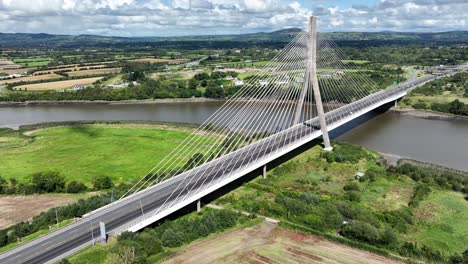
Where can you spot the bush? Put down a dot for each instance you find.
(351, 187)
(420, 106)
(361, 231)
(103, 182)
(353, 196)
(421, 192)
(49, 181)
(76, 187)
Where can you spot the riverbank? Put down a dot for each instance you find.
(123, 102)
(430, 115)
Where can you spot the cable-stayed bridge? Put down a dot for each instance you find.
(307, 90)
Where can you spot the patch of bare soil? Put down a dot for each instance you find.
(266, 243)
(15, 209)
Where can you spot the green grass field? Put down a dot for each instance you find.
(356, 61)
(124, 57)
(442, 222)
(33, 62)
(123, 152)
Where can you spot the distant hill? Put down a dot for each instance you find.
(12, 40)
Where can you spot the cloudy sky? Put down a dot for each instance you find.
(200, 17)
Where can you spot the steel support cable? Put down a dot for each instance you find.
(331, 82)
(248, 136)
(350, 82)
(220, 110)
(254, 130)
(360, 76)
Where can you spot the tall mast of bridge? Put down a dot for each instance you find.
(310, 80)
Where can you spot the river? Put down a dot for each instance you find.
(434, 141)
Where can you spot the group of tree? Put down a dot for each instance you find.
(50, 182)
(448, 179)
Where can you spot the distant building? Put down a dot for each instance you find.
(229, 78)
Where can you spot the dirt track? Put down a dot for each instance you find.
(266, 243)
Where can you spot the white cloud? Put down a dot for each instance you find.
(190, 17)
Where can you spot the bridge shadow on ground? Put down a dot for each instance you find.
(275, 163)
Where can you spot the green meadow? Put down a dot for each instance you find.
(124, 152)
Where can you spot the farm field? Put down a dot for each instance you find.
(71, 68)
(267, 243)
(33, 62)
(102, 71)
(16, 71)
(32, 78)
(124, 152)
(156, 60)
(22, 208)
(57, 85)
(6, 64)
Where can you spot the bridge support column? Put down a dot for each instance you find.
(264, 172)
(198, 206)
(314, 81)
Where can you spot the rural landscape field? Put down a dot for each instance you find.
(219, 131)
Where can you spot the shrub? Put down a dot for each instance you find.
(353, 196)
(76, 187)
(361, 231)
(103, 182)
(49, 181)
(351, 187)
(420, 106)
(421, 192)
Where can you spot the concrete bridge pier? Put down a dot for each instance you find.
(264, 172)
(199, 206)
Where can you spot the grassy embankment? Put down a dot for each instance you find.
(124, 152)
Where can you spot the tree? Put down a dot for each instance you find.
(49, 181)
(351, 187)
(102, 182)
(193, 84)
(456, 107)
(353, 196)
(361, 231)
(76, 187)
(214, 91)
(3, 238)
(389, 237)
(170, 238)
